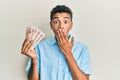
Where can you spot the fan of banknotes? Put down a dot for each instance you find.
(33, 33)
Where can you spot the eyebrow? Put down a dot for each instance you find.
(64, 17)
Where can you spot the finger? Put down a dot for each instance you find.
(65, 36)
(72, 41)
(28, 47)
(58, 40)
(22, 47)
(26, 42)
(58, 36)
(29, 33)
(61, 35)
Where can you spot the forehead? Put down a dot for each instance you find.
(61, 15)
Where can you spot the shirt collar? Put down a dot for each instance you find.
(53, 41)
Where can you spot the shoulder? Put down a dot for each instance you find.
(42, 45)
(44, 42)
(79, 44)
(80, 47)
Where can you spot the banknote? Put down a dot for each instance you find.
(35, 34)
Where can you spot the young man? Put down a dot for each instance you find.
(58, 58)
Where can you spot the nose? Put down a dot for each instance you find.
(61, 26)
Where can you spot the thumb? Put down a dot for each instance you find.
(72, 41)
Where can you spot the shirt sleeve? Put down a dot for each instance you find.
(38, 60)
(84, 61)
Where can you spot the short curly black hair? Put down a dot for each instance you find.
(61, 9)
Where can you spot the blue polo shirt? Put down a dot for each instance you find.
(52, 64)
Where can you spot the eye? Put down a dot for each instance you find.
(66, 21)
(55, 22)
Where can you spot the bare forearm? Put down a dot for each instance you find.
(33, 74)
(77, 74)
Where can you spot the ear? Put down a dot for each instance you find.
(51, 24)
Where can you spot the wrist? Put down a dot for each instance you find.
(34, 60)
(69, 55)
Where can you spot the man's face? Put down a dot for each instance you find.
(61, 21)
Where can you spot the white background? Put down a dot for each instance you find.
(96, 23)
